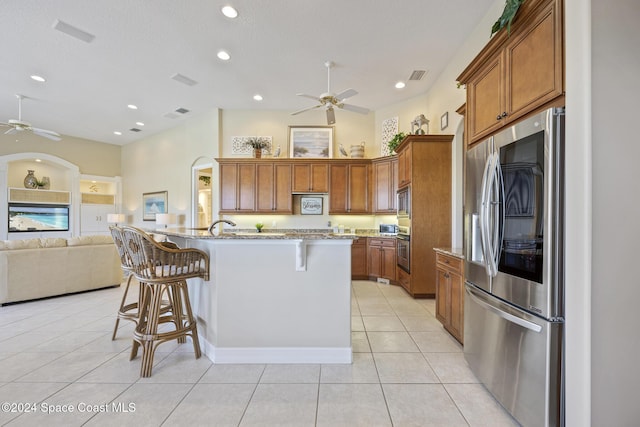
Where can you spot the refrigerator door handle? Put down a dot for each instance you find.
(484, 220)
(507, 316)
(497, 191)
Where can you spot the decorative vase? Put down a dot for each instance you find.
(257, 153)
(357, 151)
(30, 181)
(46, 183)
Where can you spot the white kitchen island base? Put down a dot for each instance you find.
(274, 300)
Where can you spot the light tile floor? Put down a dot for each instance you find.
(406, 371)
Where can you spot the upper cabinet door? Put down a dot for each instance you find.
(485, 95)
(310, 178)
(350, 191)
(534, 64)
(518, 73)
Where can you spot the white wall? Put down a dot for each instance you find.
(163, 163)
(92, 157)
(350, 128)
(615, 290)
(445, 97)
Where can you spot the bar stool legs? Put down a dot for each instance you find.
(146, 334)
(126, 310)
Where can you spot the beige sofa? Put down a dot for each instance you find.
(38, 268)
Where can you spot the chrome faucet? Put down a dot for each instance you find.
(226, 221)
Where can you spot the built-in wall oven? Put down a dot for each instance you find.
(404, 202)
(404, 248)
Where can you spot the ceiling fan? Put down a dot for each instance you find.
(20, 125)
(329, 100)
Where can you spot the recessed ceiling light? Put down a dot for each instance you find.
(38, 160)
(223, 55)
(38, 78)
(229, 12)
(400, 85)
(140, 123)
(133, 107)
(257, 97)
(117, 133)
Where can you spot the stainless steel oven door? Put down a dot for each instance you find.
(404, 252)
(404, 203)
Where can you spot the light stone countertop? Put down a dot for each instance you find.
(454, 252)
(246, 234)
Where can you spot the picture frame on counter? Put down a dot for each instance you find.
(311, 205)
(154, 203)
(311, 142)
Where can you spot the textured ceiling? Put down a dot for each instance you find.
(278, 48)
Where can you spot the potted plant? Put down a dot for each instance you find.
(259, 227)
(257, 144)
(395, 141)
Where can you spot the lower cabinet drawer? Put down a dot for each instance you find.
(404, 279)
(450, 263)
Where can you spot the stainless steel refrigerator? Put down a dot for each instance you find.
(514, 305)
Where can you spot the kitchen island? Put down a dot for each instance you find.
(272, 297)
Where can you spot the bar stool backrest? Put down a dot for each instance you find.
(155, 263)
(125, 259)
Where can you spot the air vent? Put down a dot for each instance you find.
(182, 110)
(184, 79)
(417, 75)
(72, 31)
(135, 130)
(171, 115)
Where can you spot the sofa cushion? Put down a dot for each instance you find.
(89, 240)
(9, 245)
(53, 242)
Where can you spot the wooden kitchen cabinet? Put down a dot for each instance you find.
(359, 259)
(385, 184)
(404, 166)
(430, 207)
(518, 73)
(273, 188)
(349, 190)
(310, 178)
(450, 294)
(381, 255)
(237, 187)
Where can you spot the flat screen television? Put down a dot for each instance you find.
(25, 217)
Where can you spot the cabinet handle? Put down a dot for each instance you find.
(498, 117)
(504, 114)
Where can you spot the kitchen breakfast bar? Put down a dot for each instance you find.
(272, 297)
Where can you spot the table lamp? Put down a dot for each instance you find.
(165, 219)
(115, 218)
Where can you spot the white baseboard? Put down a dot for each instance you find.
(275, 355)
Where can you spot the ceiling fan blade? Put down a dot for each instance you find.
(315, 98)
(47, 134)
(306, 109)
(11, 131)
(346, 94)
(331, 116)
(354, 108)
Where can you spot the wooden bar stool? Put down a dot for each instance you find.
(125, 311)
(130, 311)
(162, 273)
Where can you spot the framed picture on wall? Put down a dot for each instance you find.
(311, 141)
(154, 203)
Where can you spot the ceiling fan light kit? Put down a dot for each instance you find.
(329, 100)
(20, 125)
